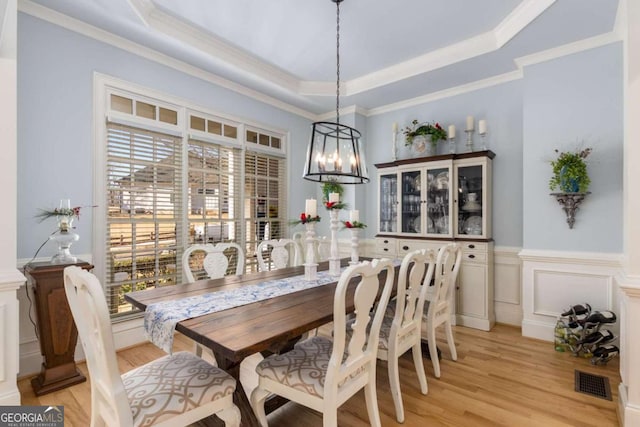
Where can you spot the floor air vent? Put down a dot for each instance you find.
(594, 385)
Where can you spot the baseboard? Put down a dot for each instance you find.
(539, 330)
(12, 398)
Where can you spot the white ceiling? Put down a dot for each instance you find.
(389, 51)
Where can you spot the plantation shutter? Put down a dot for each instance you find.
(213, 198)
(144, 218)
(265, 201)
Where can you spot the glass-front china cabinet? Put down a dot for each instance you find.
(427, 202)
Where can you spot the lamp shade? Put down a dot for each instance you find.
(335, 154)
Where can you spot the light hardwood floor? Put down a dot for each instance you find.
(500, 379)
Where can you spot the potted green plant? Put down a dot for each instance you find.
(570, 172)
(423, 133)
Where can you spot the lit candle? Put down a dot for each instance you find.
(352, 161)
(334, 197)
(311, 208)
(452, 131)
(470, 123)
(354, 215)
(482, 127)
(394, 127)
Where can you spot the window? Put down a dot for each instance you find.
(144, 218)
(174, 178)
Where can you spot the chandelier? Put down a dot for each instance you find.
(335, 152)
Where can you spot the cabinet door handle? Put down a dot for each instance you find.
(472, 256)
(405, 248)
(386, 241)
(472, 246)
(386, 249)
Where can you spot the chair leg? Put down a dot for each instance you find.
(433, 352)
(330, 417)
(258, 396)
(230, 416)
(372, 401)
(416, 350)
(394, 385)
(452, 345)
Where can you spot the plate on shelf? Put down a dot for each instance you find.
(473, 225)
(442, 225)
(416, 224)
(442, 180)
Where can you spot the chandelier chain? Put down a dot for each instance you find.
(338, 62)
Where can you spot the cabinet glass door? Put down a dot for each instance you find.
(388, 203)
(411, 202)
(438, 200)
(471, 201)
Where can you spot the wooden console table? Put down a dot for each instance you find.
(57, 331)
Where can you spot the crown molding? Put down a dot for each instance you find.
(72, 24)
(568, 49)
(447, 93)
(512, 24)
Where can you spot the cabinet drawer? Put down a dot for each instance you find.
(474, 246)
(406, 246)
(386, 246)
(474, 256)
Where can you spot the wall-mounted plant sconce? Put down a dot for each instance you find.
(570, 203)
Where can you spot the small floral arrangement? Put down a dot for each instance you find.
(68, 212)
(335, 205)
(570, 171)
(304, 218)
(354, 224)
(434, 129)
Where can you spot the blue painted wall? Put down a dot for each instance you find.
(571, 102)
(55, 113)
(501, 107)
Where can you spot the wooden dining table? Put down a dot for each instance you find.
(268, 326)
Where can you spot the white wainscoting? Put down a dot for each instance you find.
(507, 293)
(552, 281)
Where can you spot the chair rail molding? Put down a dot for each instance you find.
(554, 280)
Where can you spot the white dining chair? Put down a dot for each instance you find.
(440, 302)
(278, 253)
(216, 265)
(322, 373)
(175, 390)
(401, 325)
(215, 262)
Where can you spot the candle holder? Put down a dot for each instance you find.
(469, 144)
(354, 245)
(483, 138)
(310, 265)
(334, 258)
(452, 145)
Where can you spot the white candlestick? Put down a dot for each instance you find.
(334, 197)
(482, 127)
(334, 259)
(470, 123)
(354, 246)
(354, 216)
(311, 208)
(394, 138)
(452, 131)
(310, 265)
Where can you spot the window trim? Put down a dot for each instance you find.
(103, 87)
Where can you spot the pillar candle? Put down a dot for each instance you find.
(354, 215)
(470, 123)
(334, 197)
(394, 127)
(452, 131)
(311, 208)
(482, 127)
